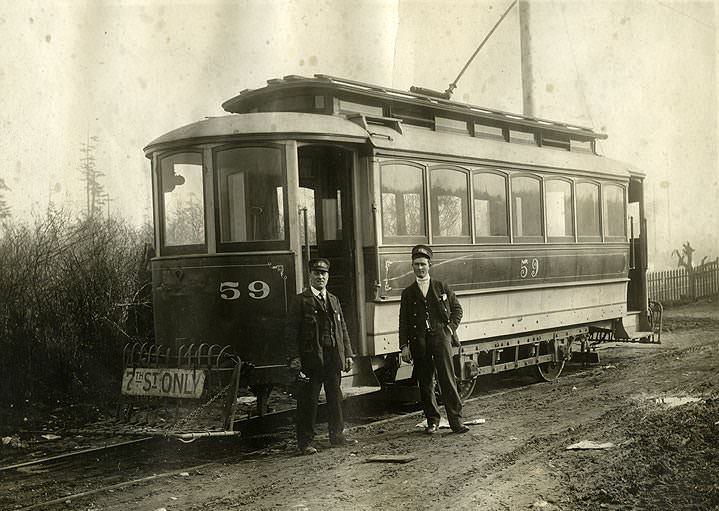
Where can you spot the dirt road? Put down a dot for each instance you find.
(664, 456)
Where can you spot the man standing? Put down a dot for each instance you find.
(317, 326)
(429, 315)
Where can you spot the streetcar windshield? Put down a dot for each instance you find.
(251, 185)
(182, 199)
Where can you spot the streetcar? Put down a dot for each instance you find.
(542, 239)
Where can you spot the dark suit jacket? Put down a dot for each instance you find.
(303, 330)
(412, 315)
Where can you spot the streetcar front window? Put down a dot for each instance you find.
(183, 203)
(251, 194)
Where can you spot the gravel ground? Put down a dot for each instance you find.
(664, 453)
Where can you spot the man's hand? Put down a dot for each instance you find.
(406, 355)
(348, 364)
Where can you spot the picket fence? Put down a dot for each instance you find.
(674, 286)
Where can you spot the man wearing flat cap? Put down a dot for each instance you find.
(317, 327)
(429, 316)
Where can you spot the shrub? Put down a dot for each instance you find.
(72, 293)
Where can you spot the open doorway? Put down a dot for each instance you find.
(326, 192)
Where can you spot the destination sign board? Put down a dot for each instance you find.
(163, 382)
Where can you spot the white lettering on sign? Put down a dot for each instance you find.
(527, 269)
(159, 382)
(256, 289)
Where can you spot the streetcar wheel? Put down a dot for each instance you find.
(549, 371)
(466, 388)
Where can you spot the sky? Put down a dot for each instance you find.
(644, 72)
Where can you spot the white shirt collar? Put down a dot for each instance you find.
(319, 294)
(423, 285)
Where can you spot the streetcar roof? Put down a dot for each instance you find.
(262, 124)
(386, 139)
(438, 144)
(409, 106)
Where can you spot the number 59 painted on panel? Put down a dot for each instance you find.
(525, 270)
(256, 289)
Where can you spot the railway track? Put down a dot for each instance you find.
(72, 477)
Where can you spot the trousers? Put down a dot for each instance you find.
(438, 359)
(308, 394)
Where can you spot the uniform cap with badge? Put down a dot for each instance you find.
(319, 264)
(421, 251)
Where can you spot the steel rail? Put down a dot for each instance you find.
(69, 498)
(74, 453)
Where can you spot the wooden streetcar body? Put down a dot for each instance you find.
(528, 225)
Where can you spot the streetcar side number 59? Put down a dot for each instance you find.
(256, 289)
(527, 269)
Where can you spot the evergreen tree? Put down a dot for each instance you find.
(95, 195)
(4, 208)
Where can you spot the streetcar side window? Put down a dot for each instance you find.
(251, 194)
(558, 203)
(183, 203)
(449, 201)
(526, 210)
(490, 207)
(588, 212)
(614, 213)
(403, 217)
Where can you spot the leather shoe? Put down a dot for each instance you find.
(460, 429)
(342, 441)
(307, 450)
(431, 429)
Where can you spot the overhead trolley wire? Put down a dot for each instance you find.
(707, 25)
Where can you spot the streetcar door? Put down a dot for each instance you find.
(637, 296)
(326, 193)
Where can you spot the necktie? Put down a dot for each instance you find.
(323, 300)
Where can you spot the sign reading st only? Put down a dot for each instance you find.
(161, 382)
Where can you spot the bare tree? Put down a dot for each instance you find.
(684, 259)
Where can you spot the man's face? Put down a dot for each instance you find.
(318, 279)
(420, 266)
